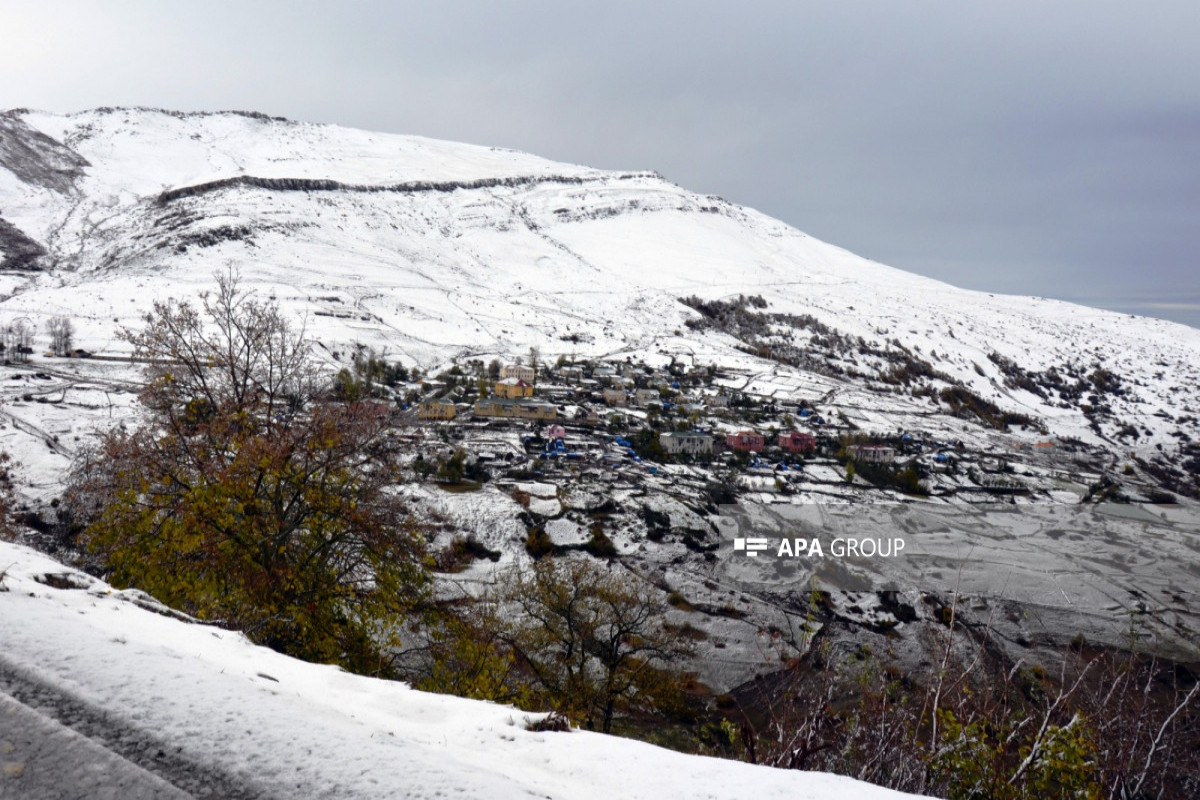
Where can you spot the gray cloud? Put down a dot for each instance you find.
(1047, 149)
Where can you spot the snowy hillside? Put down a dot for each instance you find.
(436, 251)
(245, 717)
(444, 256)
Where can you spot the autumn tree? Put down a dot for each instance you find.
(452, 469)
(464, 653)
(252, 495)
(592, 639)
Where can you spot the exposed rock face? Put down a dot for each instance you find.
(18, 251)
(35, 158)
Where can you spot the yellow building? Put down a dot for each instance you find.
(511, 388)
(515, 409)
(436, 409)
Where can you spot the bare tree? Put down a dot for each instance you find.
(534, 356)
(1102, 723)
(18, 341)
(62, 335)
(593, 639)
(6, 497)
(1146, 725)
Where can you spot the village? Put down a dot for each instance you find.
(681, 430)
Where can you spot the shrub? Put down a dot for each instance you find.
(249, 496)
(677, 600)
(599, 544)
(452, 469)
(538, 543)
(553, 722)
(462, 551)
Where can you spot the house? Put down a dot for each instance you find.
(591, 417)
(615, 397)
(510, 388)
(797, 442)
(515, 409)
(643, 397)
(440, 408)
(716, 401)
(518, 371)
(872, 453)
(746, 442)
(687, 442)
(556, 432)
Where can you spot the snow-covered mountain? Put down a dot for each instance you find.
(436, 251)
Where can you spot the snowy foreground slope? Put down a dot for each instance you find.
(278, 727)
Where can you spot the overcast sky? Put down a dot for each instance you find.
(1035, 147)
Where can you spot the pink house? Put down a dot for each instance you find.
(556, 432)
(797, 442)
(745, 442)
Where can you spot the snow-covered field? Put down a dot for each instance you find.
(286, 728)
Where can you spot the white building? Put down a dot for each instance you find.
(518, 371)
(645, 397)
(687, 442)
(716, 401)
(872, 453)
